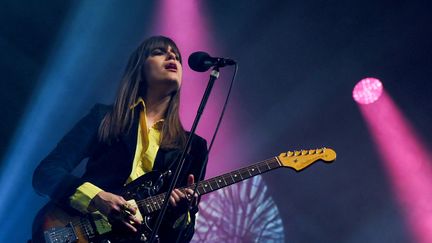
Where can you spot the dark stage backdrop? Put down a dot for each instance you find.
(299, 61)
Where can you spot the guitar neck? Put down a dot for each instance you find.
(154, 203)
(233, 177)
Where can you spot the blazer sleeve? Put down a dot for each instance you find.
(185, 233)
(199, 158)
(53, 176)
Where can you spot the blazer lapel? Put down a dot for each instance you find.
(130, 139)
(165, 159)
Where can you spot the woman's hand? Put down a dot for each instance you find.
(116, 208)
(182, 199)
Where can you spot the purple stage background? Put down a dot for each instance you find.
(298, 64)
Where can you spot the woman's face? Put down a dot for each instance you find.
(163, 69)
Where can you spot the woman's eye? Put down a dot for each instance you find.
(157, 52)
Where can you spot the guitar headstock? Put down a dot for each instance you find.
(298, 160)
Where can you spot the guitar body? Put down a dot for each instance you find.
(55, 223)
(51, 216)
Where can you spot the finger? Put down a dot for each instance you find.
(190, 191)
(181, 194)
(120, 200)
(117, 216)
(192, 199)
(115, 210)
(176, 195)
(190, 179)
(172, 201)
(134, 220)
(133, 210)
(130, 226)
(129, 208)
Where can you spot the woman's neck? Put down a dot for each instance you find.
(156, 107)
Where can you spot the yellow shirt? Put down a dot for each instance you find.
(148, 141)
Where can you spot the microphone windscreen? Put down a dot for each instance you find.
(197, 61)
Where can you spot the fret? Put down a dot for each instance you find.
(267, 165)
(204, 186)
(263, 167)
(213, 184)
(147, 207)
(244, 174)
(220, 181)
(231, 177)
(159, 200)
(84, 226)
(273, 164)
(238, 176)
(162, 198)
(149, 204)
(207, 185)
(223, 178)
(259, 171)
(200, 189)
(217, 183)
(234, 176)
(154, 203)
(253, 171)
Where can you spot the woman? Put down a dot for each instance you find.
(141, 132)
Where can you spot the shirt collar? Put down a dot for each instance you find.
(137, 102)
(158, 124)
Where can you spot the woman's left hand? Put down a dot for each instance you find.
(182, 199)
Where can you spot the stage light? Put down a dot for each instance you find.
(193, 32)
(65, 93)
(367, 91)
(407, 162)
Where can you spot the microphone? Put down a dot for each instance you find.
(201, 61)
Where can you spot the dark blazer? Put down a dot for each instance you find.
(108, 166)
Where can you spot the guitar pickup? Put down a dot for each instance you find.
(66, 234)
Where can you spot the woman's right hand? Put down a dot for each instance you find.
(116, 208)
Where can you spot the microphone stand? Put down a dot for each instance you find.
(213, 76)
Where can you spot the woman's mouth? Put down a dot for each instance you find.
(171, 67)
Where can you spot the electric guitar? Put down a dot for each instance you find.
(55, 224)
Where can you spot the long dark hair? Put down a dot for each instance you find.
(119, 120)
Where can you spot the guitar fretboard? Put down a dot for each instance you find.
(154, 203)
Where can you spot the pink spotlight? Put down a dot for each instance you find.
(367, 91)
(407, 162)
(186, 22)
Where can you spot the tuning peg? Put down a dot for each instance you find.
(304, 152)
(296, 153)
(312, 151)
(289, 153)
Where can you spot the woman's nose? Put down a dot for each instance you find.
(171, 55)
